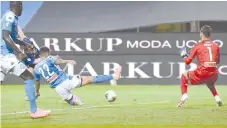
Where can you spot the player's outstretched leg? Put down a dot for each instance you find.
(102, 78)
(72, 99)
(215, 94)
(184, 87)
(30, 92)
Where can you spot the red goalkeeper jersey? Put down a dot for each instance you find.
(207, 53)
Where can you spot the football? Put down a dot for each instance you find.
(110, 96)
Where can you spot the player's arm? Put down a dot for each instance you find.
(21, 35)
(22, 39)
(57, 60)
(188, 57)
(218, 55)
(36, 61)
(61, 61)
(7, 38)
(7, 24)
(6, 29)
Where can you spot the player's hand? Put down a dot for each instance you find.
(57, 57)
(72, 62)
(37, 94)
(183, 52)
(21, 56)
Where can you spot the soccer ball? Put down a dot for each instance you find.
(110, 96)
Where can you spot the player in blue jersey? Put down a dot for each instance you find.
(11, 56)
(32, 59)
(32, 53)
(48, 68)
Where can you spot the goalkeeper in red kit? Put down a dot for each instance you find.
(208, 56)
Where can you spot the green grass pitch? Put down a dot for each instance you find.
(136, 106)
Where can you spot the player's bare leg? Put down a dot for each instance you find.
(74, 100)
(213, 90)
(96, 79)
(30, 69)
(2, 77)
(30, 91)
(184, 87)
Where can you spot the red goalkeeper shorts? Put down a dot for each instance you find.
(203, 75)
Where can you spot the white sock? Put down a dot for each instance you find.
(217, 98)
(113, 82)
(184, 96)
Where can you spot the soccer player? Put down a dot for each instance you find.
(63, 83)
(208, 56)
(32, 57)
(11, 57)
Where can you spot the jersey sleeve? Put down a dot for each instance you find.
(192, 55)
(52, 59)
(218, 55)
(8, 21)
(36, 74)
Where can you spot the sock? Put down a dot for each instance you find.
(30, 92)
(74, 101)
(184, 84)
(212, 90)
(101, 78)
(71, 101)
(184, 97)
(217, 98)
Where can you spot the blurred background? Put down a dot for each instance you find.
(150, 16)
(159, 29)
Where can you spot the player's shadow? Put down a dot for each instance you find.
(23, 118)
(199, 106)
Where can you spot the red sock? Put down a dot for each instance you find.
(213, 90)
(184, 84)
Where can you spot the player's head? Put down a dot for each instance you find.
(44, 51)
(29, 49)
(16, 7)
(205, 32)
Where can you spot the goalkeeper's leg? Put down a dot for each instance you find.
(211, 85)
(184, 87)
(189, 76)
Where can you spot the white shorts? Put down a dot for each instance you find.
(10, 63)
(65, 88)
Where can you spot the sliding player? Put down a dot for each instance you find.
(63, 83)
(206, 72)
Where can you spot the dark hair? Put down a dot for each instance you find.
(44, 50)
(13, 4)
(206, 30)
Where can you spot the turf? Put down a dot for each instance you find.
(136, 106)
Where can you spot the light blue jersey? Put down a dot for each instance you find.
(9, 22)
(50, 72)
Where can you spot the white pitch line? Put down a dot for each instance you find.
(89, 107)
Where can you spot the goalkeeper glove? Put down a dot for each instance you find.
(183, 52)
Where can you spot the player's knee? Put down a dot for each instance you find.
(27, 75)
(185, 74)
(31, 70)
